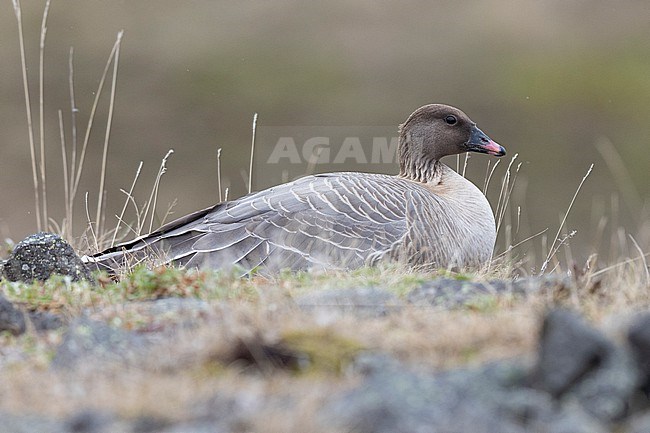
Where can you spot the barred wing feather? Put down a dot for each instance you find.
(342, 220)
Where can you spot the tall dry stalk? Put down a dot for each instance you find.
(250, 168)
(41, 105)
(69, 202)
(28, 109)
(109, 123)
(84, 146)
(219, 174)
(66, 229)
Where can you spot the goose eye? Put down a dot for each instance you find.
(451, 120)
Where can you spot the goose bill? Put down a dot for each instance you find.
(481, 143)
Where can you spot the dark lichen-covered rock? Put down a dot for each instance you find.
(41, 255)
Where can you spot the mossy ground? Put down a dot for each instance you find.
(250, 336)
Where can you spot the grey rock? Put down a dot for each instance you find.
(89, 421)
(639, 424)
(639, 339)
(578, 364)
(11, 318)
(97, 421)
(149, 424)
(228, 412)
(182, 312)
(10, 423)
(568, 350)
(159, 317)
(453, 293)
(45, 321)
(41, 255)
(174, 305)
(606, 392)
(195, 426)
(490, 399)
(363, 301)
(90, 340)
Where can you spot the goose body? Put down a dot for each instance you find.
(427, 216)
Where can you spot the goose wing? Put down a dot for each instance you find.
(341, 220)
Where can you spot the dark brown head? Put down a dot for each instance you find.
(434, 131)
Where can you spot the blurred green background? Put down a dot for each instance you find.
(562, 83)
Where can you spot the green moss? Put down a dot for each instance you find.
(326, 351)
(468, 354)
(56, 293)
(483, 303)
(390, 277)
(164, 282)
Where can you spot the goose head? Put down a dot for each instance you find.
(434, 131)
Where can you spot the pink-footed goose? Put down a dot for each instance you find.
(427, 216)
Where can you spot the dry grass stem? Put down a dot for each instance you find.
(489, 174)
(506, 191)
(109, 122)
(69, 212)
(91, 119)
(66, 229)
(41, 105)
(529, 238)
(129, 197)
(618, 265)
(90, 223)
(467, 156)
(313, 160)
(642, 257)
(250, 168)
(554, 249)
(621, 174)
(153, 196)
(28, 109)
(219, 174)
